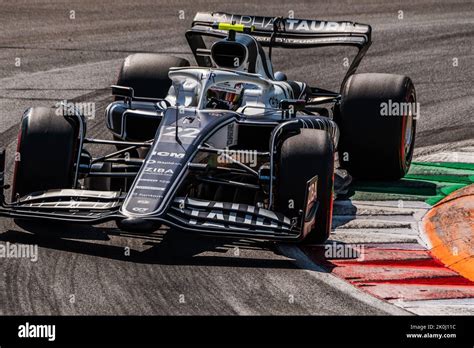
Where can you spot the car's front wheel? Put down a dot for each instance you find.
(46, 152)
(302, 157)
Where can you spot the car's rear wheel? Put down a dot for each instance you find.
(303, 156)
(377, 121)
(46, 152)
(147, 73)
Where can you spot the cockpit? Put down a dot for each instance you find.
(244, 79)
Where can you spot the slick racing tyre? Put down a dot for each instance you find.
(147, 74)
(46, 152)
(377, 123)
(303, 156)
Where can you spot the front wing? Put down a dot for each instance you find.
(208, 217)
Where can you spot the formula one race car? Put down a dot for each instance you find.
(228, 147)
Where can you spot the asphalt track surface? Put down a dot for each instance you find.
(84, 270)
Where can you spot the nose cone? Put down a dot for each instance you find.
(132, 224)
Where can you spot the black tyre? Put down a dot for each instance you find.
(304, 156)
(47, 150)
(373, 144)
(147, 73)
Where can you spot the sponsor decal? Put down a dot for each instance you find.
(159, 171)
(311, 205)
(302, 25)
(232, 134)
(147, 195)
(140, 210)
(166, 163)
(219, 214)
(153, 188)
(259, 22)
(168, 154)
(273, 101)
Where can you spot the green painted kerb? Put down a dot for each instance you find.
(426, 181)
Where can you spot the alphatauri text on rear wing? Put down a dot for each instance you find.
(292, 33)
(281, 32)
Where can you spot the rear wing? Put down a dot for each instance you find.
(292, 33)
(281, 32)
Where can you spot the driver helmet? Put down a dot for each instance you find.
(225, 96)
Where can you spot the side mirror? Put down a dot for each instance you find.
(289, 107)
(121, 91)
